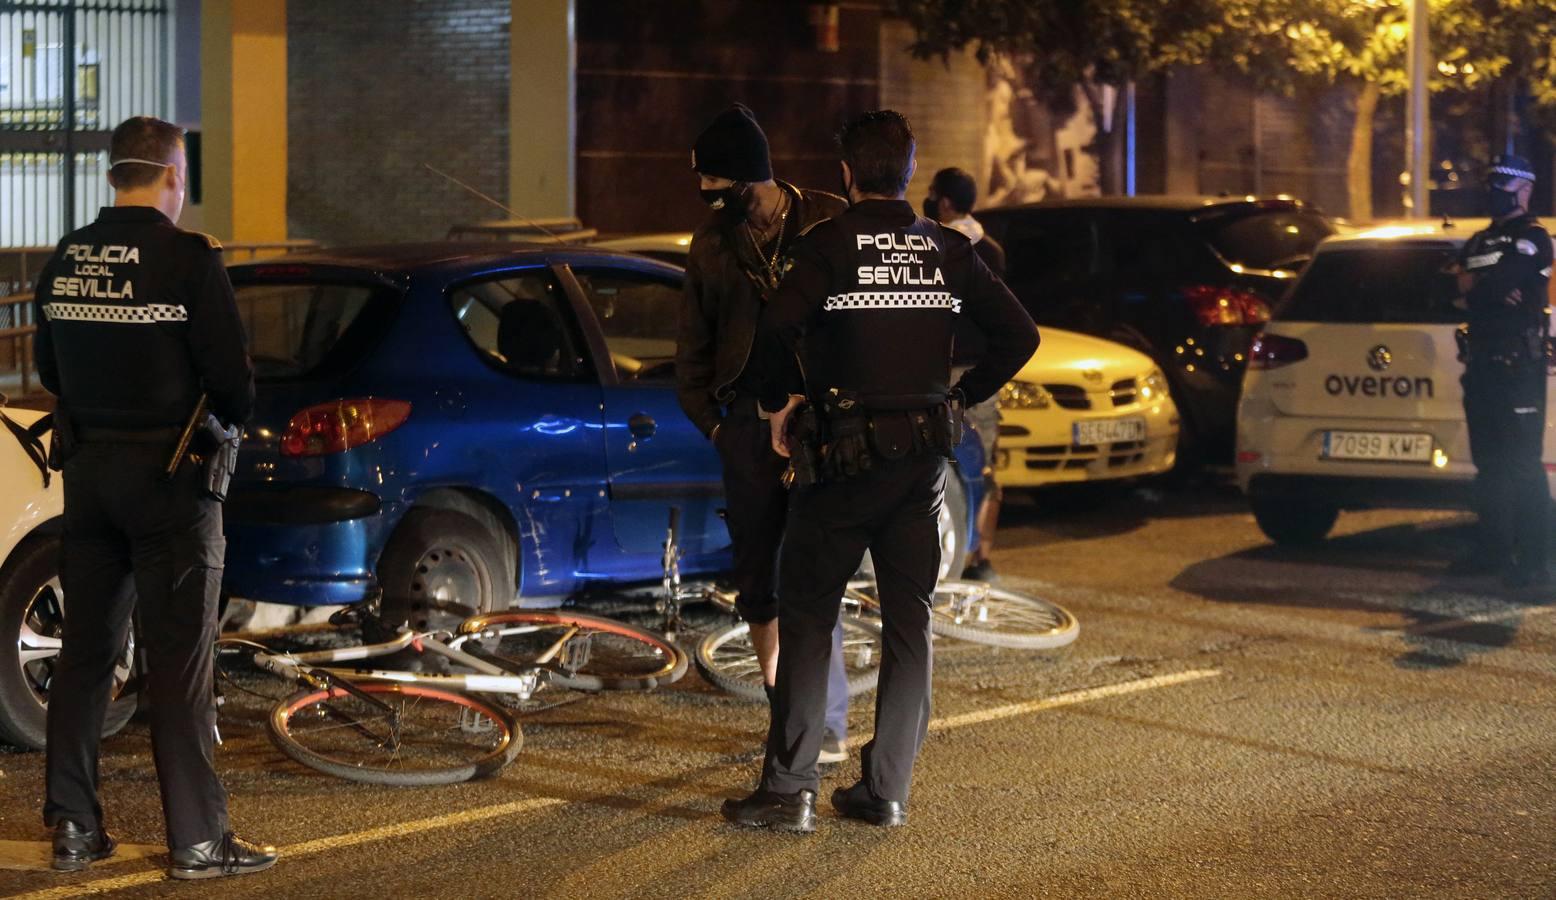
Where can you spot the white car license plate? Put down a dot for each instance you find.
(1378, 445)
(1108, 431)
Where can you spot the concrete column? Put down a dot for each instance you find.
(541, 109)
(243, 119)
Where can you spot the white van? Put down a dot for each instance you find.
(1351, 398)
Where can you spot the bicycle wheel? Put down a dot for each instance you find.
(418, 736)
(577, 650)
(726, 659)
(974, 611)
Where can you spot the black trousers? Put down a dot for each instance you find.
(121, 523)
(892, 511)
(1505, 410)
(756, 505)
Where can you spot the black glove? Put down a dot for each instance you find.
(848, 452)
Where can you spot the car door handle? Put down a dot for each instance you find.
(642, 426)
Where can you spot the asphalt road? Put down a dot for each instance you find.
(1235, 721)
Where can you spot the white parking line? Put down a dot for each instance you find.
(309, 848)
(469, 816)
(1071, 698)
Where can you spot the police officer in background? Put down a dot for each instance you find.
(732, 269)
(1503, 271)
(949, 201)
(870, 302)
(136, 320)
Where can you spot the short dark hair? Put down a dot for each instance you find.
(878, 147)
(141, 137)
(957, 186)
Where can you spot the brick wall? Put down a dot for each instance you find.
(371, 96)
(944, 102)
(648, 82)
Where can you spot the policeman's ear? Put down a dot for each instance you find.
(912, 167)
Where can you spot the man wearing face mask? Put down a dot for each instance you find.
(1503, 272)
(733, 267)
(136, 321)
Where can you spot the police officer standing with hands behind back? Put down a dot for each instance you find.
(869, 301)
(1503, 272)
(136, 321)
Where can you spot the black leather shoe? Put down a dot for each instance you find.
(858, 803)
(768, 809)
(227, 855)
(76, 847)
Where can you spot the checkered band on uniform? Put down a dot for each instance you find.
(894, 300)
(1512, 171)
(149, 314)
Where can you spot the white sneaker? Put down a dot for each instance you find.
(832, 750)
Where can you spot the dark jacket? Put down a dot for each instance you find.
(724, 298)
(1511, 262)
(136, 318)
(872, 299)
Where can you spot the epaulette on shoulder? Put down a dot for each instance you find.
(210, 239)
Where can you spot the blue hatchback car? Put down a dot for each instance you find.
(482, 424)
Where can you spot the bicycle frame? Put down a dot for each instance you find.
(315, 666)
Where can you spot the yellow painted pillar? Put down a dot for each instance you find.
(541, 124)
(243, 119)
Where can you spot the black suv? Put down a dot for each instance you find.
(1187, 280)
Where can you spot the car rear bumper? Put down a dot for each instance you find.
(302, 545)
(1364, 492)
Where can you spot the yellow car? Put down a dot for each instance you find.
(1084, 409)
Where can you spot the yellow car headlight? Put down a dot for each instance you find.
(1153, 387)
(1024, 395)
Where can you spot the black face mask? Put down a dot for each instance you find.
(932, 208)
(731, 201)
(1503, 203)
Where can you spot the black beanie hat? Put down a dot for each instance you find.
(733, 146)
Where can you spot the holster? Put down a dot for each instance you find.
(805, 443)
(63, 439)
(214, 449)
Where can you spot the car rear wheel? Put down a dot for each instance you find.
(32, 619)
(1294, 523)
(442, 567)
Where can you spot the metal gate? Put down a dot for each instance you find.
(70, 70)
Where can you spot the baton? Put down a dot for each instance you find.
(196, 420)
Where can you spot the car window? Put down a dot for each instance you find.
(1149, 247)
(298, 329)
(1268, 239)
(1391, 285)
(1049, 248)
(638, 312)
(517, 323)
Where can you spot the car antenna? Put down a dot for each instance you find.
(514, 213)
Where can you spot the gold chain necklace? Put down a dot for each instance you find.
(771, 263)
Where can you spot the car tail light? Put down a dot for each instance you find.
(339, 425)
(1271, 351)
(1249, 456)
(1226, 305)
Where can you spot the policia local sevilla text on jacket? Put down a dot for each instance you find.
(864, 321)
(136, 320)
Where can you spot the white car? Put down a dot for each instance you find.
(31, 599)
(1084, 409)
(1352, 398)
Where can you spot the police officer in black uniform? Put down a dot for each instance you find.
(136, 320)
(870, 301)
(1503, 272)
